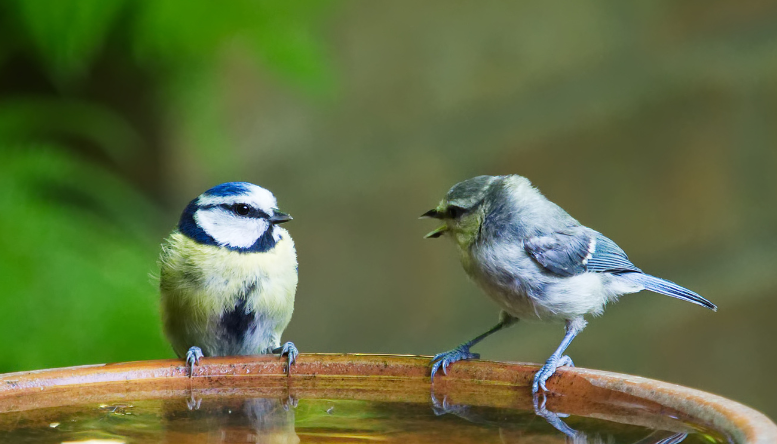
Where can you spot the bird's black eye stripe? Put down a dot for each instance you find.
(243, 209)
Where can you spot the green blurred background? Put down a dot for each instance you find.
(651, 121)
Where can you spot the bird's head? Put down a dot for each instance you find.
(236, 215)
(463, 210)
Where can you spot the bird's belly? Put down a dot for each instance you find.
(513, 299)
(245, 333)
(527, 292)
(224, 302)
(238, 330)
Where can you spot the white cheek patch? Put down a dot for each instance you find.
(230, 230)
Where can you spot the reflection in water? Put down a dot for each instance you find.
(659, 437)
(269, 416)
(554, 419)
(219, 420)
(480, 417)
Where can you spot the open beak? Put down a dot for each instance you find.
(434, 214)
(437, 233)
(431, 214)
(279, 217)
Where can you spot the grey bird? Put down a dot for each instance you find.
(536, 262)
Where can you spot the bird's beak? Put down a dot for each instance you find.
(437, 233)
(433, 214)
(279, 217)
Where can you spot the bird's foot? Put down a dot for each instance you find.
(444, 359)
(548, 370)
(444, 407)
(290, 351)
(552, 418)
(290, 402)
(193, 357)
(193, 403)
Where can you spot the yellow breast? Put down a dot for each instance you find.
(199, 281)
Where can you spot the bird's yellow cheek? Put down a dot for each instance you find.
(464, 237)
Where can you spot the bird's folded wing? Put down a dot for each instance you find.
(576, 250)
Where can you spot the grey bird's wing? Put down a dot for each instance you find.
(575, 250)
(578, 249)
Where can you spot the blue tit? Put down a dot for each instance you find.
(536, 262)
(228, 276)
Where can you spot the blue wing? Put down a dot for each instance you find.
(608, 257)
(577, 250)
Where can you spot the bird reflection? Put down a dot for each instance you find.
(224, 419)
(510, 432)
(576, 437)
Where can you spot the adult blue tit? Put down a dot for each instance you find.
(536, 262)
(228, 276)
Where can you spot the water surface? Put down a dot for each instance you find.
(227, 416)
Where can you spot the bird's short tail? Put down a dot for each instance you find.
(668, 288)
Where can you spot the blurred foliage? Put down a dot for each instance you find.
(88, 91)
(66, 37)
(76, 249)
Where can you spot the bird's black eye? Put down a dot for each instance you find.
(454, 212)
(241, 209)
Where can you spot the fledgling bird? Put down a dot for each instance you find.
(228, 276)
(536, 262)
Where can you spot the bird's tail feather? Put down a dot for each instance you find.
(668, 288)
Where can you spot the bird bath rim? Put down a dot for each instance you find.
(575, 390)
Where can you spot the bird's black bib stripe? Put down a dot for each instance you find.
(235, 323)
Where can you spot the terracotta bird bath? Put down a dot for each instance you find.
(360, 398)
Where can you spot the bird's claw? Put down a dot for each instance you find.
(193, 357)
(444, 359)
(290, 402)
(290, 351)
(444, 407)
(552, 418)
(539, 408)
(193, 403)
(548, 370)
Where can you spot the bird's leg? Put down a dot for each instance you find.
(558, 359)
(462, 353)
(193, 357)
(290, 351)
(553, 419)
